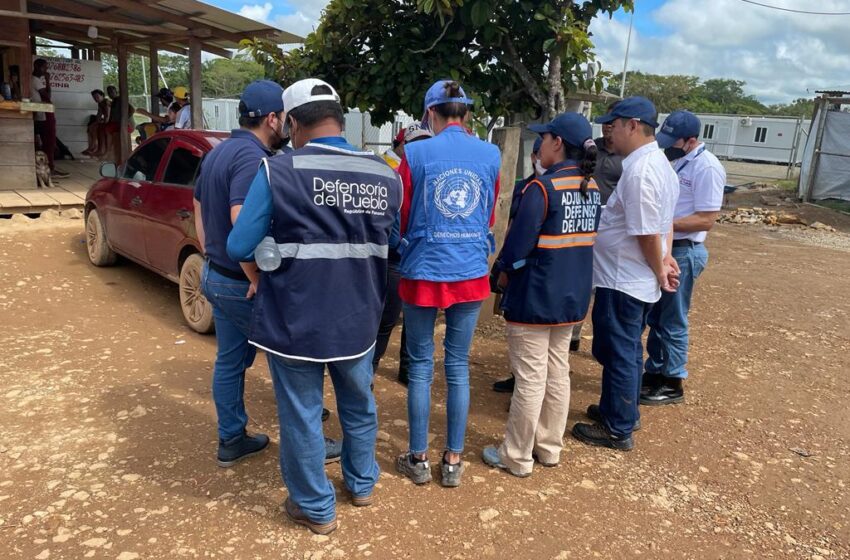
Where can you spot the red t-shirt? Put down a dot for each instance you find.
(426, 293)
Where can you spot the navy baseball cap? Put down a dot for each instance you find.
(260, 98)
(677, 125)
(571, 127)
(637, 107)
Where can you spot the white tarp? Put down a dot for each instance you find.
(832, 175)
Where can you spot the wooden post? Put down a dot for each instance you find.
(195, 83)
(154, 78)
(823, 109)
(508, 140)
(123, 90)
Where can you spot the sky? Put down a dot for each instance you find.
(780, 55)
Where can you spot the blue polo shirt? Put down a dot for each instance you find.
(256, 215)
(225, 178)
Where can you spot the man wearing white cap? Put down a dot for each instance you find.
(328, 209)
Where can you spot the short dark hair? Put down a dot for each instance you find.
(455, 109)
(39, 62)
(97, 92)
(251, 122)
(111, 88)
(648, 129)
(174, 107)
(311, 113)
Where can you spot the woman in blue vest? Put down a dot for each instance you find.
(450, 183)
(546, 272)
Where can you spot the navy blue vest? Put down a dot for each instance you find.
(332, 213)
(448, 232)
(554, 286)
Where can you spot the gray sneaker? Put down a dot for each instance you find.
(451, 474)
(419, 473)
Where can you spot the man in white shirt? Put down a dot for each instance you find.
(701, 181)
(631, 267)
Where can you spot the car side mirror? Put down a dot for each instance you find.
(108, 170)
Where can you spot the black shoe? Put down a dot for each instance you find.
(575, 345)
(234, 450)
(594, 414)
(650, 382)
(505, 385)
(670, 391)
(325, 414)
(596, 434)
(59, 174)
(402, 377)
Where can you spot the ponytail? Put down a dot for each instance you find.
(585, 155)
(454, 109)
(588, 163)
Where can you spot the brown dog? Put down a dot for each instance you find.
(42, 171)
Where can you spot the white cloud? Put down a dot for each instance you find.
(780, 55)
(257, 12)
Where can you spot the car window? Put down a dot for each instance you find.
(142, 164)
(182, 167)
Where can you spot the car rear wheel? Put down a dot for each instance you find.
(196, 309)
(100, 254)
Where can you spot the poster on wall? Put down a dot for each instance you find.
(71, 83)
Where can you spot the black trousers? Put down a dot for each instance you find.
(389, 319)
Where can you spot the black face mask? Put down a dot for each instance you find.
(674, 153)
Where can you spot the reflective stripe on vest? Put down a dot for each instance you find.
(569, 240)
(332, 250)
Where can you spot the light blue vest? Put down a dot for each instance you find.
(448, 236)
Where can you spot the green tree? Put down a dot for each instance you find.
(668, 93)
(800, 107)
(174, 68)
(222, 77)
(518, 57)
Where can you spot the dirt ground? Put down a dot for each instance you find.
(107, 430)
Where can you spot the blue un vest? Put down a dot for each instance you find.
(332, 214)
(554, 285)
(448, 235)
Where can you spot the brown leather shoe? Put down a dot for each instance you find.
(360, 501)
(294, 513)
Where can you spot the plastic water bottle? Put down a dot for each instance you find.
(267, 254)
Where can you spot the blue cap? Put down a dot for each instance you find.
(262, 97)
(572, 128)
(436, 95)
(677, 125)
(536, 147)
(637, 107)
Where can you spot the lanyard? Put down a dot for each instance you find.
(699, 152)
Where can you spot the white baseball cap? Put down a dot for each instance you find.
(300, 93)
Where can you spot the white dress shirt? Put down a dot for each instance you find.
(701, 182)
(642, 204)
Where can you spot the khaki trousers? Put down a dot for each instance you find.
(539, 358)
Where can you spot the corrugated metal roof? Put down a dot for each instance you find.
(176, 20)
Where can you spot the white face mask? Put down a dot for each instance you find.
(539, 169)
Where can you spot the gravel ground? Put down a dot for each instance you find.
(107, 431)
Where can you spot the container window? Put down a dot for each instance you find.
(761, 135)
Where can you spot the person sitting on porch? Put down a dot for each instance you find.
(97, 126)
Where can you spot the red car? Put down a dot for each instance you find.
(143, 211)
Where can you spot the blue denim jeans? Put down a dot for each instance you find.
(667, 344)
(298, 387)
(232, 314)
(461, 319)
(618, 323)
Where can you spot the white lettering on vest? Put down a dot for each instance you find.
(351, 198)
(580, 212)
